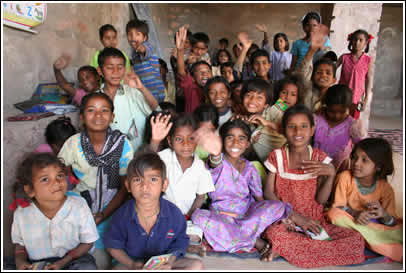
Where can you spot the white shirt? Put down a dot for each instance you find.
(183, 186)
(45, 238)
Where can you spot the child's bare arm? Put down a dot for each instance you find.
(122, 257)
(339, 61)
(269, 188)
(75, 253)
(368, 86)
(21, 258)
(61, 63)
(132, 80)
(197, 204)
(246, 44)
(181, 35)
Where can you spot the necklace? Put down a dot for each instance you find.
(147, 217)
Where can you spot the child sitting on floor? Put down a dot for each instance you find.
(148, 225)
(53, 228)
(145, 60)
(303, 177)
(89, 79)
(237, 203)
(108, 38)
(364, 200)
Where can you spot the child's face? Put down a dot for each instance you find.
(97, 115)
(109, 39)
(235, 143)
(359, 42)
(202, 74)
(113, 71)
(135, 38)
(281, 44)
(299, 130)
(48, 184)
(148, 188)
(237, 93)
(324, 76)
(361, 165)
(255, 102)
(311, 26)
(289, 94)
(227, 73)
(261, 66)
(199, 49)
(187, 45)
(219, 96)
(337, 113)
(223, 57)
(236, 52)
(89, 81)
(183, 142)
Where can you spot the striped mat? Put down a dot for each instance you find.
(394, 136)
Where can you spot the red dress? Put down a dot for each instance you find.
(299, 189)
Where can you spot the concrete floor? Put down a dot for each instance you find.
(231, 263)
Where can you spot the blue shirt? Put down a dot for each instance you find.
(168, 235)
(300, 48)
(147, 68)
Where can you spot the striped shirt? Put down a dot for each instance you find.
(147, 68)
(45, 238)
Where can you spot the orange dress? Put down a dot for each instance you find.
(299, 189)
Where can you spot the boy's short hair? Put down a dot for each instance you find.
(140, 25)
(166, 106)
(227, 64)
(331, 55)
(200, 37)
(216, 79)
(196, 64)
(104, 28)
(258, 85)
(224, 41)
(109, 52)
(234, 84)
(259, 53)
(90, 69)
(324, 61)
(144, 161)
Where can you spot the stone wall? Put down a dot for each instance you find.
(27, 61)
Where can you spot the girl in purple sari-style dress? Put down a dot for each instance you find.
(238, 213)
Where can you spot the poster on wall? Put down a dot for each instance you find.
(24, 16)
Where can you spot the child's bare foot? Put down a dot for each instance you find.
(197, 249)
(267, 255)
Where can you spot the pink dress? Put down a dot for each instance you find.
(354, 74)
(337, 142)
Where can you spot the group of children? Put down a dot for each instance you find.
(267, 153)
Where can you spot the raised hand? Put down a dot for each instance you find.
(209, 140)
(261, 27)
(245, 41)
(160, 127)
(131, 79)
(63, 61)
(318, 168)
(181, 35)
(317, 37)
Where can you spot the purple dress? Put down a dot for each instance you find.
(234, 194)
(337, 142)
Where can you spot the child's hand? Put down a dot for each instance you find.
(160, 127)
(54, 266)
(244, 118)
(364, 217)
(131, 79)
(376, 210)
(257, 119)
(181, 35)
(25, 265)
(243, 37)
(62, 61)
(307, 224)
(318, 168)
(137, 265)
(261, 27)
(209, 140)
